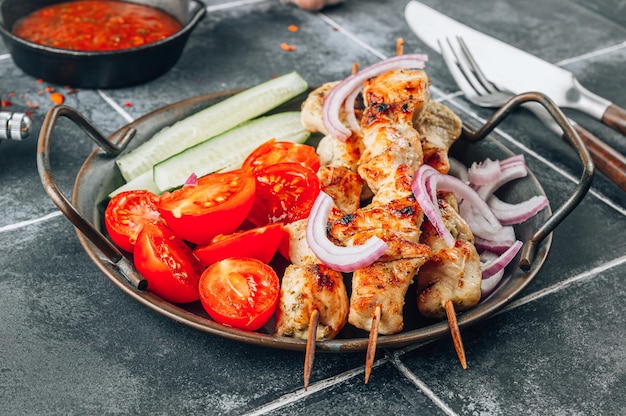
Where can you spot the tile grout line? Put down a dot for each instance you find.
(110, 101)
(26, 223)
(295, 396)
(592, 54)
(232, 5)
(581, 277)
(351, 36)
(423, 387)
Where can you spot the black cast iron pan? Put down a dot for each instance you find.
(106, 69)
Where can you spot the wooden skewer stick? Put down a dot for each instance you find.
(456, 333)
(309, 355)
(355, 68)
(371, 343)
(399, 46)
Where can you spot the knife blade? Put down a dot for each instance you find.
(513, 68)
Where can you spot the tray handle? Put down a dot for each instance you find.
(112, 253)
(530, 246)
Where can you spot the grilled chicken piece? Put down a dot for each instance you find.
(398, 86)
(393, 101)
(439, 128)
(311, 114)
(298, 249)
(452, 273)
(385, 284)
(386, 281)
(402, 216)
(308, 288)
(343, 185)
(337, 153)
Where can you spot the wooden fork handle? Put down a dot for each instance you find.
(606, 159)
(615, 117)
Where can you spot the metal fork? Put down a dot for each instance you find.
(482, 92)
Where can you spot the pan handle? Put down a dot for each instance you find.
(530, 246)
(113, 148)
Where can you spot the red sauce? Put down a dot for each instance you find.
(96, 25)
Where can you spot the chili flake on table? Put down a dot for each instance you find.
(96, 25)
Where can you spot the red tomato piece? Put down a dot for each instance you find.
(127, 213)
(273, 152)
(285, 192)
(168, 264)
(259, 243)
(240, 292)
(218, 204)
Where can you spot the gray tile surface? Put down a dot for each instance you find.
(72, 343)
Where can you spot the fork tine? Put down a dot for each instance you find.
(467, 82)
(465, 67)
(475, 68)
(463, 83)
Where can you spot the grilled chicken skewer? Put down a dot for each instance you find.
(392, 151)
(313, 298)
(386, 153)
(450, 281)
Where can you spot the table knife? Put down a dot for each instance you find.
(512, 68)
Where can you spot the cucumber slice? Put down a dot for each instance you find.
(141, 182)
(210, 122)
(228, 150)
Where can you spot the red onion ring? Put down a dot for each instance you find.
(346, 88)
(494, 265)
(425, 185)
(516, 213)
(343, 259)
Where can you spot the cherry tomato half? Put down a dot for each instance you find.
(273, 152)
(285, 192)
(168, 264)
(259, 243)
(127, 213)
(218, 204)
(240, 292)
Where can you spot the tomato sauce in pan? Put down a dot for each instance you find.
(96, 25)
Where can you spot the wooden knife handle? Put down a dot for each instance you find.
(615, 117)
(606, 159)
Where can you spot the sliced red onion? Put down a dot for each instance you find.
(516, 213)
(343, 259)
(479, 223)
(482, 173)
(427, 198)
(511, 168)
(488, 285)
(349, 108)
(338, 95)
(192, 180)
(470, 199)
(425, 186)
(496, 245)
(493, 266)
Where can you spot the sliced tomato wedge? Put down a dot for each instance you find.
(260, 243)
(217, 204)
(127, 213)
(285, 192)
(273, 152)
(240, 292)
(168, 264)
